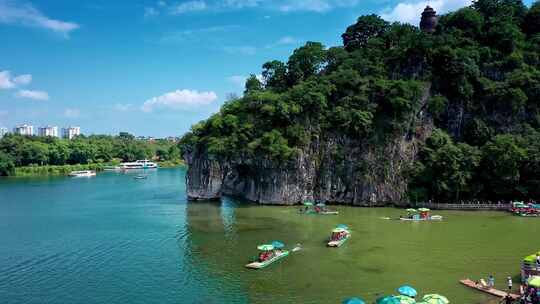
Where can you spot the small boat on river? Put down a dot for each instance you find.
(487, 289)
(141, 177)
(85, 173)
(420, 215)
(320, 209)
(139, 164)
(269, 253)
(340, 235)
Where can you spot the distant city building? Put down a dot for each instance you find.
(71, 132)
(3, 131)
(429, 20)
(48, 131)
(24, 130)
(173, 139)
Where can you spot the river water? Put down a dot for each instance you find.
(115, 239)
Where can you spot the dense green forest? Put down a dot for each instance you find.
(23, 151)
(482, 65)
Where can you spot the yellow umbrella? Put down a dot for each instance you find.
(534, 281)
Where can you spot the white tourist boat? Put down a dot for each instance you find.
(85, 173)
(139, 164)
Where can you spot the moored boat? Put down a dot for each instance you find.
(420, 215)
(340, 235)
(269, 253)
(308, 208)
(84, 173)
(322, 209)
(141, 177)
(139, 164)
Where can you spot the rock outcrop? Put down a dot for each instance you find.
(333, 168)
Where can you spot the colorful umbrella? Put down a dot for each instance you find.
(388, 300)
(405, 300)
(265, 247)
(278, 244)
(423, 209)
(534, 281)
(408, 291)
(336, 230)
(342, 226)
(435, 299)
(353, 301)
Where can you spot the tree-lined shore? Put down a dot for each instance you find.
(33, 155)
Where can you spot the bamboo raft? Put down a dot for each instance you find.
(489, 290)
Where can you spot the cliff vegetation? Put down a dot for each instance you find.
(395, 114)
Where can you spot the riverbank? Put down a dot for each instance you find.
(35, 170)
(56, 170)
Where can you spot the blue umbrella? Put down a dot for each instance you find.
(342, 226)
(278, 244)
(388, 300)
(353, 301)
(408, 291)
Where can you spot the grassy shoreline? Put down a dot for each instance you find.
(51, 170)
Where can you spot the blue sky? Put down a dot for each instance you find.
(156, 67)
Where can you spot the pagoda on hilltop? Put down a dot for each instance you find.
(429, 20)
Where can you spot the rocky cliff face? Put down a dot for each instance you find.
(333, 168)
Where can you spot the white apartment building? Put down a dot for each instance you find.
(71, 132)
(48, 131)
(3, 131)
(24, 130)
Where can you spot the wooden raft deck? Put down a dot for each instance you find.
(491, 291)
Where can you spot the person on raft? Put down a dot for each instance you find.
(265, 256)
(338, 236)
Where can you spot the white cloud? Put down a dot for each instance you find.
(318, 6)
(150, 12)
(72, 113)
(122, 107)
(27, 15)
(32, 94)
(237, 80)
(242, 50)
(186, 7)
(240, 81)
(287, 40)
(5, 80)
(179, 99)
(237, 4)
(194, 35)
(410, 12)
(22, 79)
(9, 82)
